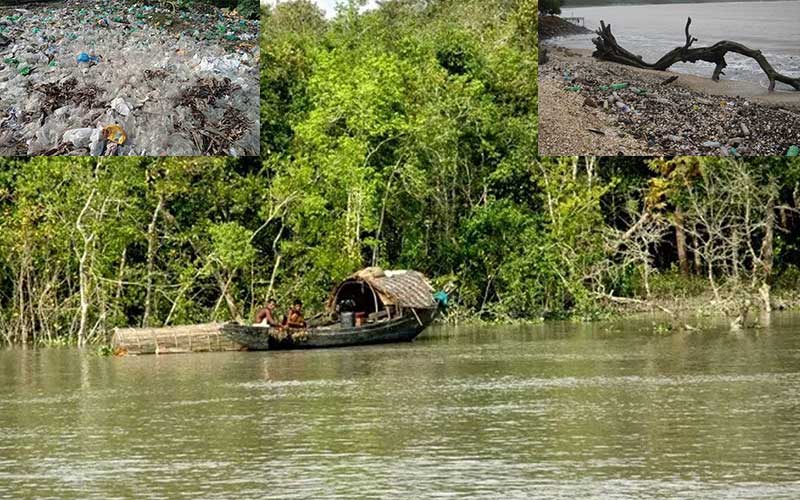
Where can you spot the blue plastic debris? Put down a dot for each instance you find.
(83, 57)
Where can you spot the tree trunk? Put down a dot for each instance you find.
(152, 240)
(680, 241)
(83, 273)
(735, 242)
(608, 49)
(767, 254)
(698, 261)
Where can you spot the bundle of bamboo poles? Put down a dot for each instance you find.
(206, 337)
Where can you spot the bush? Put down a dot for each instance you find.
(246, 8)
(550, 7)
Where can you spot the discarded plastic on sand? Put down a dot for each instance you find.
(120, 106)
(574, 88)
(44, 39)
(619, 86)
(793, 151)
(79, 137)
(97, 142)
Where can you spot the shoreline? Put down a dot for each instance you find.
(691, 116)
(687, 313)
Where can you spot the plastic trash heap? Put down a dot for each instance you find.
(70, 70)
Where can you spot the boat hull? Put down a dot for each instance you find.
(259, 338)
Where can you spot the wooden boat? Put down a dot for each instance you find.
(385, 306)
(396, 306)
(259, 338)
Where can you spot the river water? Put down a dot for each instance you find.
(653, 30)
(561, 410)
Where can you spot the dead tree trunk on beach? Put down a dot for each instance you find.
(608, 49)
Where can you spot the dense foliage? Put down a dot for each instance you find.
(397, 134)
(403, 137)
(89, 244)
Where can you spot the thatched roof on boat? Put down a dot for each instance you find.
(399, 288)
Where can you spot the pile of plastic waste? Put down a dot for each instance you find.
(127, 78)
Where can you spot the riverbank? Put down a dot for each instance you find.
(688, 116)
(554, 26)
(680, 309)
(127, 78)
(684, 299)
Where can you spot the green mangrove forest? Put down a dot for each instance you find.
(401, 137)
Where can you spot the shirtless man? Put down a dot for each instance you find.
(295, 317)
(264, 316)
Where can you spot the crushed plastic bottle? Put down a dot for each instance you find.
(120, 106)
(79, 137)
(83, 57)
(793, 151)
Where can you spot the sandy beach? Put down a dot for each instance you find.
(587, 106)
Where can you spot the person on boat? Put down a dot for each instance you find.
(264, 316)
(295, 317)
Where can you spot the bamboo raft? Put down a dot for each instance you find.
(206, 337)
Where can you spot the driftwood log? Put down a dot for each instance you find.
(608, 49)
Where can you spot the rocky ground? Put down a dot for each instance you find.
(666, 113)
(571, 127)
(127, 77)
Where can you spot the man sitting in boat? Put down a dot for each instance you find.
(264, 316)
(295, 317)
